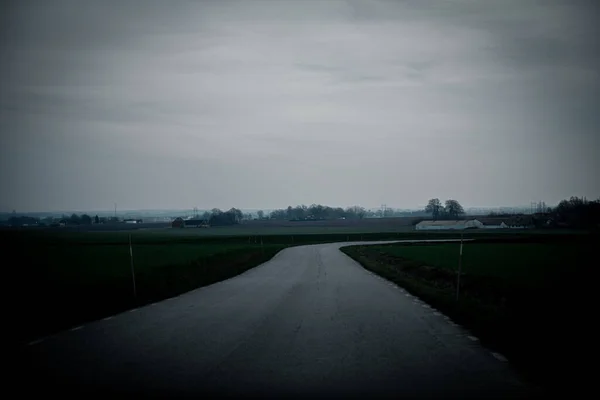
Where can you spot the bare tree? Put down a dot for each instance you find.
(434, 207)
(454, 209)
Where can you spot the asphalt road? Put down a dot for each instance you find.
(309, 322)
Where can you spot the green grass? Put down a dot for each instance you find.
(66, 278)
(527, 300)
(95, 263)
(523, 263)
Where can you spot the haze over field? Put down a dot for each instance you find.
(261, 104)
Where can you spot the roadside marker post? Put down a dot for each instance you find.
(459, 266)
(132, 270)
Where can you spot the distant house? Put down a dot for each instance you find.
(132, 221)
(449, 224)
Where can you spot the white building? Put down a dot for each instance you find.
(450, 224)
(493, 223)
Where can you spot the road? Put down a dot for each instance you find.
(311, 321)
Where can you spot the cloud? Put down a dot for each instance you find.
(338, 102)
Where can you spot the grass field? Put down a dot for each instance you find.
(532, 264)
(68, 279)
(526, 300)
(65, 278)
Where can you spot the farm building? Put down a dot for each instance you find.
(177, 223)
(493, 223)
(450, 224)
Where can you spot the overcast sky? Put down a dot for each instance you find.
(261, 104)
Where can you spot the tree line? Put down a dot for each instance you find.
(317, 212)
(576, 212)
(216, 217)
(73, 219)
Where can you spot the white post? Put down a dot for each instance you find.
(459, 266)
(132, 271)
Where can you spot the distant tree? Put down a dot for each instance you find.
(302, 211)
(277, 214)
(356, 212)
(434, 207)
(86, 219)
(231, 217)
(96, 219)
(388, 212)
(299, 213)
(23, 221)
(453, 209)
(577, 213)
(236, 215)
(75, 219)
(261, 214)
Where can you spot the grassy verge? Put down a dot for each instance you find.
(63, 283)
(524, 300)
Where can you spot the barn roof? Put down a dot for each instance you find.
(491, 221)
(443, 222)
